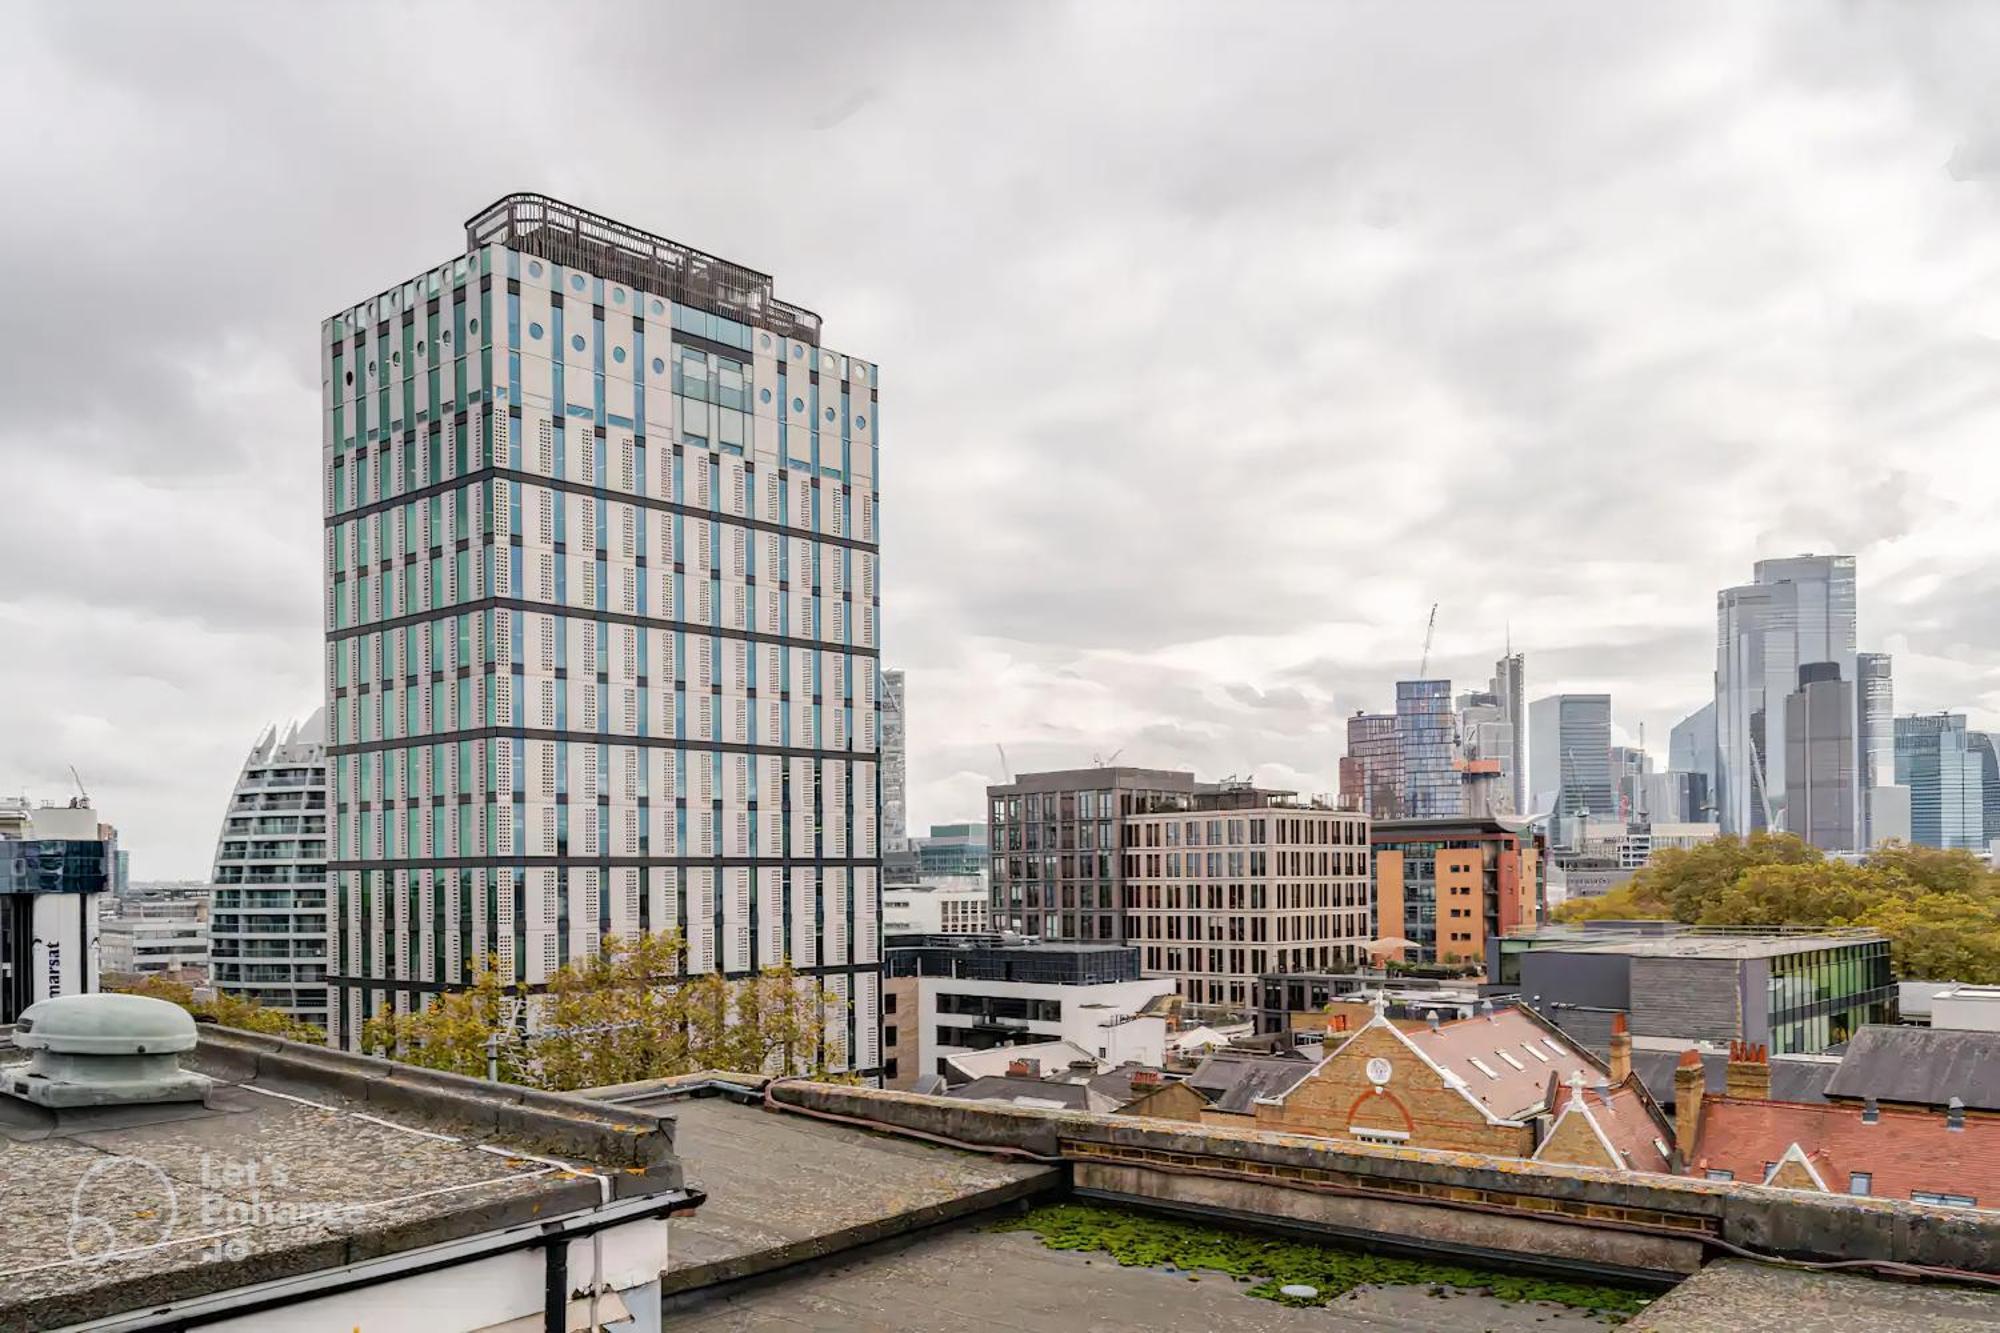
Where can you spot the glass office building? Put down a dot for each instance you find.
(1937, 760)
(1427, 750)
(601, 612)
(1371, 772)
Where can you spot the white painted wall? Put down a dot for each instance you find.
(1097, 1018)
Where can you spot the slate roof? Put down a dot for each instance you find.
(1905, 1151)
(1793, 1078)
(1024, 1092)
(1920, 1067)
(1233, 1081)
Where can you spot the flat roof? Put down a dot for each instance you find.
(784, 1187)
(967, 1277)
(1738, 1296)
(1691, 944)
(301, 1160)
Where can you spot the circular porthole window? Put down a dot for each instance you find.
(798, 404)
(764, 341)
(618, 355)
(763, 395)
(371, 370)
(659, 308)
(535, 332)
(576, 341)
(420, 347)
(829, 360)
(472, 326)
(659, 366)
(618, 295)
(576, 281)
(829, 414)
(798, 352)
(395, 358)
(350, 377)
(861, 423)
(534, 269)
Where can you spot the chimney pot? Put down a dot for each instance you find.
(1690, 1081)
(1954, 1114)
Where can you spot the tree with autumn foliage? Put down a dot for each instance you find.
(1940, 909)
(220, 1008)
(629, 1013)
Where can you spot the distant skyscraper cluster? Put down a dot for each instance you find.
(1802, 734)
(1440, 757)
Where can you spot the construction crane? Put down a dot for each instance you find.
(1107, 760)
(1005, 771)
(1424, 663)
(82, 801)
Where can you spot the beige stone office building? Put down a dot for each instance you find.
(1246, 882)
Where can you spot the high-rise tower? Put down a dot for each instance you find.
(1796, 611)
(268, 918)
(895, 830)
(1510, 686)
(602, 615)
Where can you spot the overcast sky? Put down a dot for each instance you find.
(1218, 342)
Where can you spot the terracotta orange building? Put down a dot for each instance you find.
(1446, 885)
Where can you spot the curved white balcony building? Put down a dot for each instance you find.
(268, 925)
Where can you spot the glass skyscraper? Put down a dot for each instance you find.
(1570, 739)
(1937, 761)
(1796, 611)
(1427, 746)
(1510, 685)
(1371, 773)
(602, 613)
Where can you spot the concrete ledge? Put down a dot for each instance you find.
(1790, 1223)
(1430, 1231)
(559, 1124)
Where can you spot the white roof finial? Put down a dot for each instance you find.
(1381, 1002)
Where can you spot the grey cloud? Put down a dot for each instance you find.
(1217, 343)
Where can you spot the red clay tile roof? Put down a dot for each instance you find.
(1904, 1152)
(1506, 1058)
(1627, 1119)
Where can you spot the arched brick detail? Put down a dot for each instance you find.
(1409, 1125)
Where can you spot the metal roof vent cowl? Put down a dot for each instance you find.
(104, 1050)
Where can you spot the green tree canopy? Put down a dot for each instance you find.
(627, 1014)
(1940, 910)
(230, 1011)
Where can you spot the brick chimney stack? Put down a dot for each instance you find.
(1689, 1085)
(1336, 1023)
(1749, 1071)
(1621, 1050)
